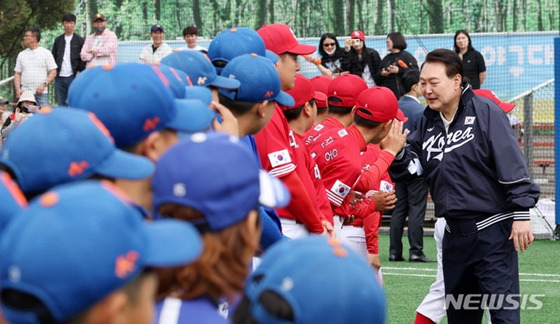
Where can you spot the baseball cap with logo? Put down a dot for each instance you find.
(237, 41)
(199, 69)
(358, 34)
(99, 16)
(67, 145)
(13, 200)
(378, 104)
(279, 38)
(239, 185)
(258, 78)
(131, 99)
(345, 89)
(77, 244)
(157, 27)
(321, 84)
(506, 107)
(302, 92)
(336, 273)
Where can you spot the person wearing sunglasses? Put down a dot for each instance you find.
(360, 60)
(331, 55)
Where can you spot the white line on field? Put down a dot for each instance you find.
(433, 276)
(434, 270)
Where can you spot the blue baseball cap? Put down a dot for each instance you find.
(233, 42)
(199, 92)
(259, 80)
(77, 244)
(312, 269)
(217, 175)
(131, 99)
(13, 200)
(199, 69)
(177, 79)
(66, 145)
(198, 116)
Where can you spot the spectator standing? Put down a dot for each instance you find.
(35, 68)
(190, 34)
(395, 64)
(66, 52)
(474, 68)
(100, 48)
(360, 60)
(154, 52)
(331, 55)
(412, 196)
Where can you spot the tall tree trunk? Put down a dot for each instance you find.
(539, 16)
(271, 10)
(93, 9)
(360, 8)
(196, 16)
(144, 12)
(514, 14)
(178, 14)
(350, 13)
(338, 17)
(435, 16)
(157, 10)
(390, 24)
(524, 15)
(261, 14)
(379, 30)
(500, 6)
(421, 17)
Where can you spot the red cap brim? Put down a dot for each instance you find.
(320, 96)
(401, 117)
(302, 49)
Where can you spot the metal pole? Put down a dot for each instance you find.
(528, 126)
(557, 129)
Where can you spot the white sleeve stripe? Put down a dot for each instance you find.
(334, 199)
(277, 172)
(514, 181)
(170, 311)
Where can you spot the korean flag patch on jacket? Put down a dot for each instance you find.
(279, 158)
(469, 120)
(340, 189)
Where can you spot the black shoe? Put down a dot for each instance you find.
(420, 258)
(393, 257)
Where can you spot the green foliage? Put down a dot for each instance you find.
(17, 15)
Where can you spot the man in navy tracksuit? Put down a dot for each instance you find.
(478, 179)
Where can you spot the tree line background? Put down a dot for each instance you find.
(131, 19)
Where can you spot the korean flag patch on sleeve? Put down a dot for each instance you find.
(340, 189)
(279, 158)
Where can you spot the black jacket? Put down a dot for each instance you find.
(476, 169)
(75, 48)
(352, 64)
(394, 81)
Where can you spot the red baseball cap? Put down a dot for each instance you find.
(345, 89)
(280, 38)
(302, 92)
(358, 34)
(321, 83)
(378, 104)
(506, 107)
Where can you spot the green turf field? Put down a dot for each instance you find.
(407, 283)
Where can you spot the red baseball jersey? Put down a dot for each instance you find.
(273, 145)
(323, 204)
(327, 124)
(337, 153)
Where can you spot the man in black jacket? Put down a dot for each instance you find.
(66, 51)
(465, 148)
